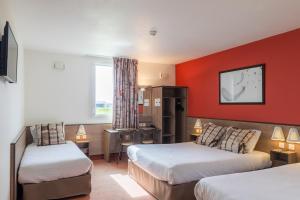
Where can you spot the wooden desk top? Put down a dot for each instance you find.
(128, 129)
(111, 131)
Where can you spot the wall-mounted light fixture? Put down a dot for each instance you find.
(58, 65)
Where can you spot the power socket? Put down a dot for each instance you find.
(291, 147)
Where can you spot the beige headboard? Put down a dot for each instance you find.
(17, 148)
(264, 144)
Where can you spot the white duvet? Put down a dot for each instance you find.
(186, 162)
(277, 183)
(53, 162)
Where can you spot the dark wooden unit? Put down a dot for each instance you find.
(84, 146)
(169, 107)
(280, 158)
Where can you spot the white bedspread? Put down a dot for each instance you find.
(270, 184)
(186, 162)
(48, 163)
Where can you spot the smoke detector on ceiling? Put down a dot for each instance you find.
(153, 31)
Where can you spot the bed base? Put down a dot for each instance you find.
(161, 189)
(62, 188)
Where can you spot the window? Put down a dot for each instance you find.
(103, 91)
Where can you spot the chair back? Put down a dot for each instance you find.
(126, 136)
(148, 135)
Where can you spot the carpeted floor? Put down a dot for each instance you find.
(111, 182)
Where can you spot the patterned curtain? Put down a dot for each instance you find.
(125, 112)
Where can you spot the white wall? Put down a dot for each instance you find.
(149, 74)
(11, 103)
(52, 95)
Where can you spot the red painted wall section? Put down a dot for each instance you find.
(280, 53)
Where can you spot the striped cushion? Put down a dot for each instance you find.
(44, 134)
(211, 135)
(236, 140)
(49, 134)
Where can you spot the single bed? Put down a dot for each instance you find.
(179, 166)
(52, 162)
(47, 172)
(275, 183)
(54, 171)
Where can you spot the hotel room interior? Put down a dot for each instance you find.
(144, 100)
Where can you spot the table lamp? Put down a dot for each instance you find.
(293, 136)
(278, 136)
(198, 127)
(81, 134)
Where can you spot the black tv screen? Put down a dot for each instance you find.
(9, 55)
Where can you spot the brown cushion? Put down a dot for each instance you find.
(211, 134)
(236, 140)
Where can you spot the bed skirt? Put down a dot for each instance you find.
(62, 188)
(161, 189)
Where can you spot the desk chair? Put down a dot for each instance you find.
(126, 139)
(148, 135)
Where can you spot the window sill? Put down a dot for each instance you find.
(103, 119)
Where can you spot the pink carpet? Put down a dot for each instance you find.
(111, 182)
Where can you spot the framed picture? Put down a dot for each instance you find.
(245, 85)
(140, 97)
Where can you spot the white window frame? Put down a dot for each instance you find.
(100, 118)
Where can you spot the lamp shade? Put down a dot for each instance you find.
(293, 136)
(81, 130)
(198, 126)
(278, 134)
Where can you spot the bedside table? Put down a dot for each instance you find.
(281, 157)
(194, 136)
(84, 146)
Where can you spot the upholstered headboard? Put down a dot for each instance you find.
(264, 144)
(17, 148)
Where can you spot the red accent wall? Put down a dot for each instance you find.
(280, 53)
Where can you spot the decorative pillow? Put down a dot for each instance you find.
(211, 134)
(253, 141)
(34, 134)
(237, 140)
(56, 133)
(48, 134)
(44, 135)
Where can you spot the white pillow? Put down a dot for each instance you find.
(34, 134)
(253, 141)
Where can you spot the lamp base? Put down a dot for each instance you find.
(281, 145)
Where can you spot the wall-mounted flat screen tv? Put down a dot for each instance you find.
(9, 55)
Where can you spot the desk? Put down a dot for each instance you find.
(112, 140)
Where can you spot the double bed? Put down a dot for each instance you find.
(170, 171)
(275, 183)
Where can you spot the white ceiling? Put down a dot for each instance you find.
(186, 28)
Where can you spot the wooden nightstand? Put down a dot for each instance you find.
(84, 146)
(194, 136)
(281, 157)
